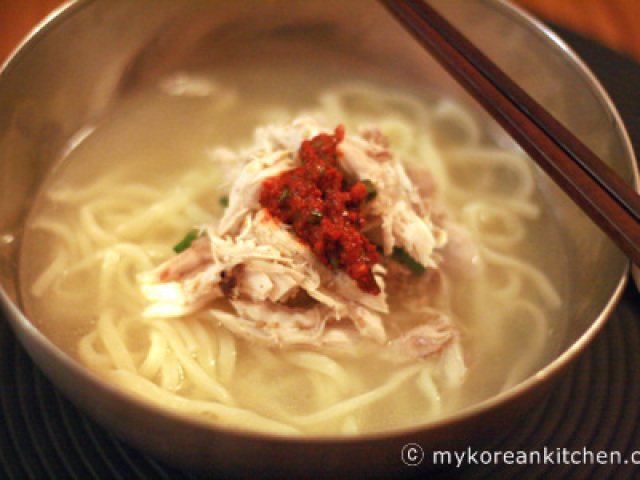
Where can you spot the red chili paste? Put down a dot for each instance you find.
(325, 210)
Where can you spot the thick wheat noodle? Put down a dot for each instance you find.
(169, 358)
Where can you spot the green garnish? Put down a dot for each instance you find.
(400, 255)
(316, 216)
(224, 201)
(284, 195)
(186, 241)
(371, 190)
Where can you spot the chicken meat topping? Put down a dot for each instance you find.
(281, 287)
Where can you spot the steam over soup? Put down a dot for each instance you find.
(363, 260)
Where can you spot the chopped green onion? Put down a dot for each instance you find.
(224, 201)
(371, 190)
(316, 216)
(185, 243)
(284, 195)
(400, 255)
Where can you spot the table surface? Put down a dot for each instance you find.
(612, 22)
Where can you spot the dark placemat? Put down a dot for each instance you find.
(596, 408)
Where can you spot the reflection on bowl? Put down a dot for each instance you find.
(165, 80)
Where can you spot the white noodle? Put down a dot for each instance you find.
(117, 229)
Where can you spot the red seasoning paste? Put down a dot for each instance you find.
(324, 209)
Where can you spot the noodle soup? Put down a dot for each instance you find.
(132, 186)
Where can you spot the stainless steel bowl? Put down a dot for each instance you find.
(75, 68)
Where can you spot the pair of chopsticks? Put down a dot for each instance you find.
(610, 202)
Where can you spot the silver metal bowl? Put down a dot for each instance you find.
(74, 68)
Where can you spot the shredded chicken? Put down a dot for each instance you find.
(281, 294)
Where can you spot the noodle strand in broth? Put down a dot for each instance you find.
(90, 238)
